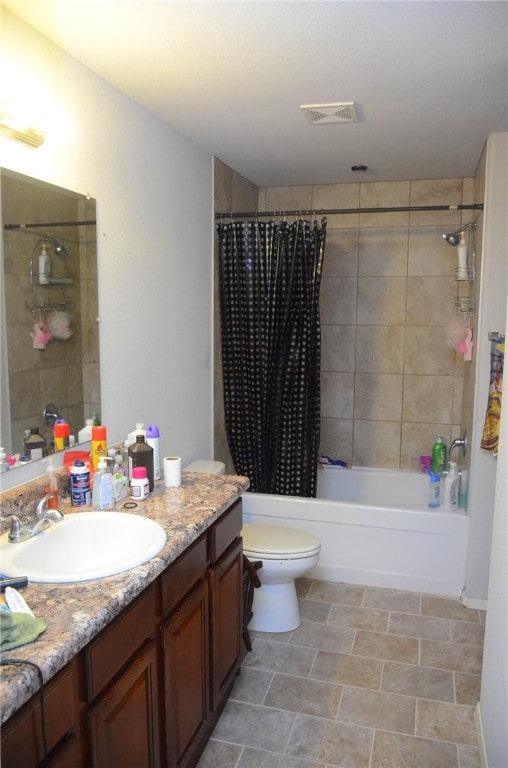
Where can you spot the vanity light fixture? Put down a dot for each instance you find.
(20, 129)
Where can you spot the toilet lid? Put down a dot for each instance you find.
(272, 540)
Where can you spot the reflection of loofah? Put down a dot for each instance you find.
(59, 325)
(456, 332)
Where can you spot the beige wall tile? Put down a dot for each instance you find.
(426, 351)
(379, 348)
(417, 440)
(384, 194)
(429, 253)
(337, 300)
(435, 192)
(288, 198)
(337, 439)
(381, 300)
(337, 395)
(341, 253)
(332, 196)
(378, 396)
(338, 347)
(383, 252)
(427, 398)
(376, 443)
(430, 300)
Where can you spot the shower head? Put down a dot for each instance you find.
(60, 250)
(454, 237)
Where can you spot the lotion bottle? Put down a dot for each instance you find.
(451, 488)
(103, 496)
(44, 266)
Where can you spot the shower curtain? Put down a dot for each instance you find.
(270, 276)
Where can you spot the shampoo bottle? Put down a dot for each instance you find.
(44, 266)
(439, 456)
(153, 440)
(451, 488)
(102, 497)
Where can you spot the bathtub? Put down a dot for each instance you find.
(375, 529)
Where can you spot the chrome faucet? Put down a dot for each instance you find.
(44, 517)
(459, 442)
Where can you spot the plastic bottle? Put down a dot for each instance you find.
(103, 496)
(139, 483)
(141, 455)
(80, 484)
(463, 486)
(451, 488)
(3, 461)
(35, 444)
(61, 432)
(99, 446)
(85, 433)
(434, 489)
(153, 440)
(439, 456)
(52, 485)
(44, 266)
(120, 482)
(139, 430)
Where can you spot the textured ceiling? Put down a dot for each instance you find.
(429, 79)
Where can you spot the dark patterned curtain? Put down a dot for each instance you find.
(270, 275)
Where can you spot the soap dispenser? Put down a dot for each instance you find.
(102, 496)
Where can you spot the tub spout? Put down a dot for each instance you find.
(459, 442)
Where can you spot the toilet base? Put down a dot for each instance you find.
(275, 608)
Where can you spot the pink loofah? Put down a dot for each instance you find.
(41, 337)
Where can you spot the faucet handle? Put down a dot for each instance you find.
(15, 530)
(42, 505)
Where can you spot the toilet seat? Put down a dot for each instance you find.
(278, 542)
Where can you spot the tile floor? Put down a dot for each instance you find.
(372, 678)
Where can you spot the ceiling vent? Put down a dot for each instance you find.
(342, 112)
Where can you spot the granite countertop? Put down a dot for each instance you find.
(77, 612)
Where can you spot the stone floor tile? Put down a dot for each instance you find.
(299, 694)
(359, 618)
(446, 722)
(469, 757)
(387, 711)
(348, 670)
(447, 608)
(467, 688)
(279, 657)
(336, 593)
(251, 685)
(277, 637)
(392, 600)
(314, 610)
(419, 626)
(467, 632)
(302, 587)
(337, 744)
(458, 658)
(384, 646)
(219, 753)
(324, 636)
(422, 682)
(254, 726)
(255, 758)
(394, 750)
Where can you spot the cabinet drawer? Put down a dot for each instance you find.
(116, 644)
(181, 575)
(225, 530)
(22, 743)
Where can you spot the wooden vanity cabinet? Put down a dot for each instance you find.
(22, 739)
(149, 689)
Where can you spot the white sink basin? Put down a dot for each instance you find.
(83, 546)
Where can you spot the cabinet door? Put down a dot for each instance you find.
(226, 620)
(186, 674)
(123, 725)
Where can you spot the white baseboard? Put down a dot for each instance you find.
(481, 740)
(473, 602)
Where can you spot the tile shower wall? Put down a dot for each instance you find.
(66, 372)
(389, 380)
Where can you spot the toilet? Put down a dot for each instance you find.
(286, 554)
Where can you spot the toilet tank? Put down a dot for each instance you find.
(206, 466)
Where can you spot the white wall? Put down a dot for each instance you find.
(493, 707)
(491, 317)
(154, 214)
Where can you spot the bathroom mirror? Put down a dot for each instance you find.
(49, 286)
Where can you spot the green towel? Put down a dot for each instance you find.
(19, 629)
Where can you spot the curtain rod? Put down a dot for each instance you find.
(332, 211)
(49, 224)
